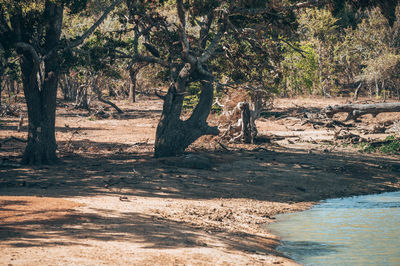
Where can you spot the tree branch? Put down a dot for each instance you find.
(101, 99)
(260, 11)
(182, 19)
(80, 39)
(205, 29)
(214, 43)
(25, 47)
(4, 27)
(141, 58)
(162, 97)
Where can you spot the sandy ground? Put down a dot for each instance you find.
(112, 203)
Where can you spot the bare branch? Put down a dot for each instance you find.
(300, 51)
(214, 44)
(26, 47)
(80, 39)
(101, 99)
(159, 95)
(272, 10)
(205, 29)
(217, 102)
(141, 58)
(182, 19)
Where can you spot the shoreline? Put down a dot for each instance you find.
(322, 202)
(253, 244)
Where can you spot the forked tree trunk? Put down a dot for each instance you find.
(173, 135)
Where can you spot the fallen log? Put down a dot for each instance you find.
(356, 110)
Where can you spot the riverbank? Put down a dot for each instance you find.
(111, 202)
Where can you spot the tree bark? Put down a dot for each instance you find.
(173, 135)
(1, 84)
(355, 97)
(41, 100)
(41, 146)
(376, 88)
(356, 110)
(2, 68)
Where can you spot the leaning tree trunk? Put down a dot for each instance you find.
(173, 135)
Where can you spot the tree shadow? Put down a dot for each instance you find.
(281, 175)
(146, 231)
(123, 171)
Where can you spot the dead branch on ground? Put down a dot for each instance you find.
(354, 111)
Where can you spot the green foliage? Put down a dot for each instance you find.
(192, 99)
(391, 145)
(318, 25)
(354, 47)
(300, 71)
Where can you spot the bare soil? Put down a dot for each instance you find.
(111, 203)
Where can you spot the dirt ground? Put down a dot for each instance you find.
(111, 203)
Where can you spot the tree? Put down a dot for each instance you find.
(204, 42)
(33, 30)
(319, 28)
(300, 70)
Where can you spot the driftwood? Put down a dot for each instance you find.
(356, 110)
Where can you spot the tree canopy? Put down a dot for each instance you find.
(194, 47)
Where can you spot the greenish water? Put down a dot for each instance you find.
(362, 230)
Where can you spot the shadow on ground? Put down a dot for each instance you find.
(64, 227)
(281, 175)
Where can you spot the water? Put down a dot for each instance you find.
(362, 230)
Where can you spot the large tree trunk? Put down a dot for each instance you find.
(41, 100)
(173, 135)
(41, 147)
